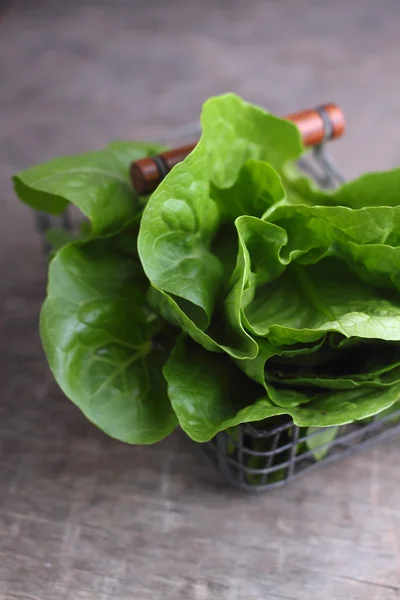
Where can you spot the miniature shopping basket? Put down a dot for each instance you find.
(265, 455)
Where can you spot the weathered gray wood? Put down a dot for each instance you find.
(83, 517)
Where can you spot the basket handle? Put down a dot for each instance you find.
(325, 122)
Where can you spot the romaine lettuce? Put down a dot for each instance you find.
(240, 291)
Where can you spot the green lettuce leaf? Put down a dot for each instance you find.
(257, 187)
(98, 183)
(175, 250)
(318, 440)
(97, 333)
(179, 232)
(234, 131)
(359, 236)
(369, 190)
(308, 301)
(347, 406)
(209, 394)
(372, 189)
(280, 300)
(176, 231)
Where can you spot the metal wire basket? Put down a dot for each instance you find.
(265, 455)
(284, 453)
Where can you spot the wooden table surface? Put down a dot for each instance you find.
(83, 517)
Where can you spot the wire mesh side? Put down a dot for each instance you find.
(270, 456)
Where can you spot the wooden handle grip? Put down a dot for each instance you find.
(326, 122)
